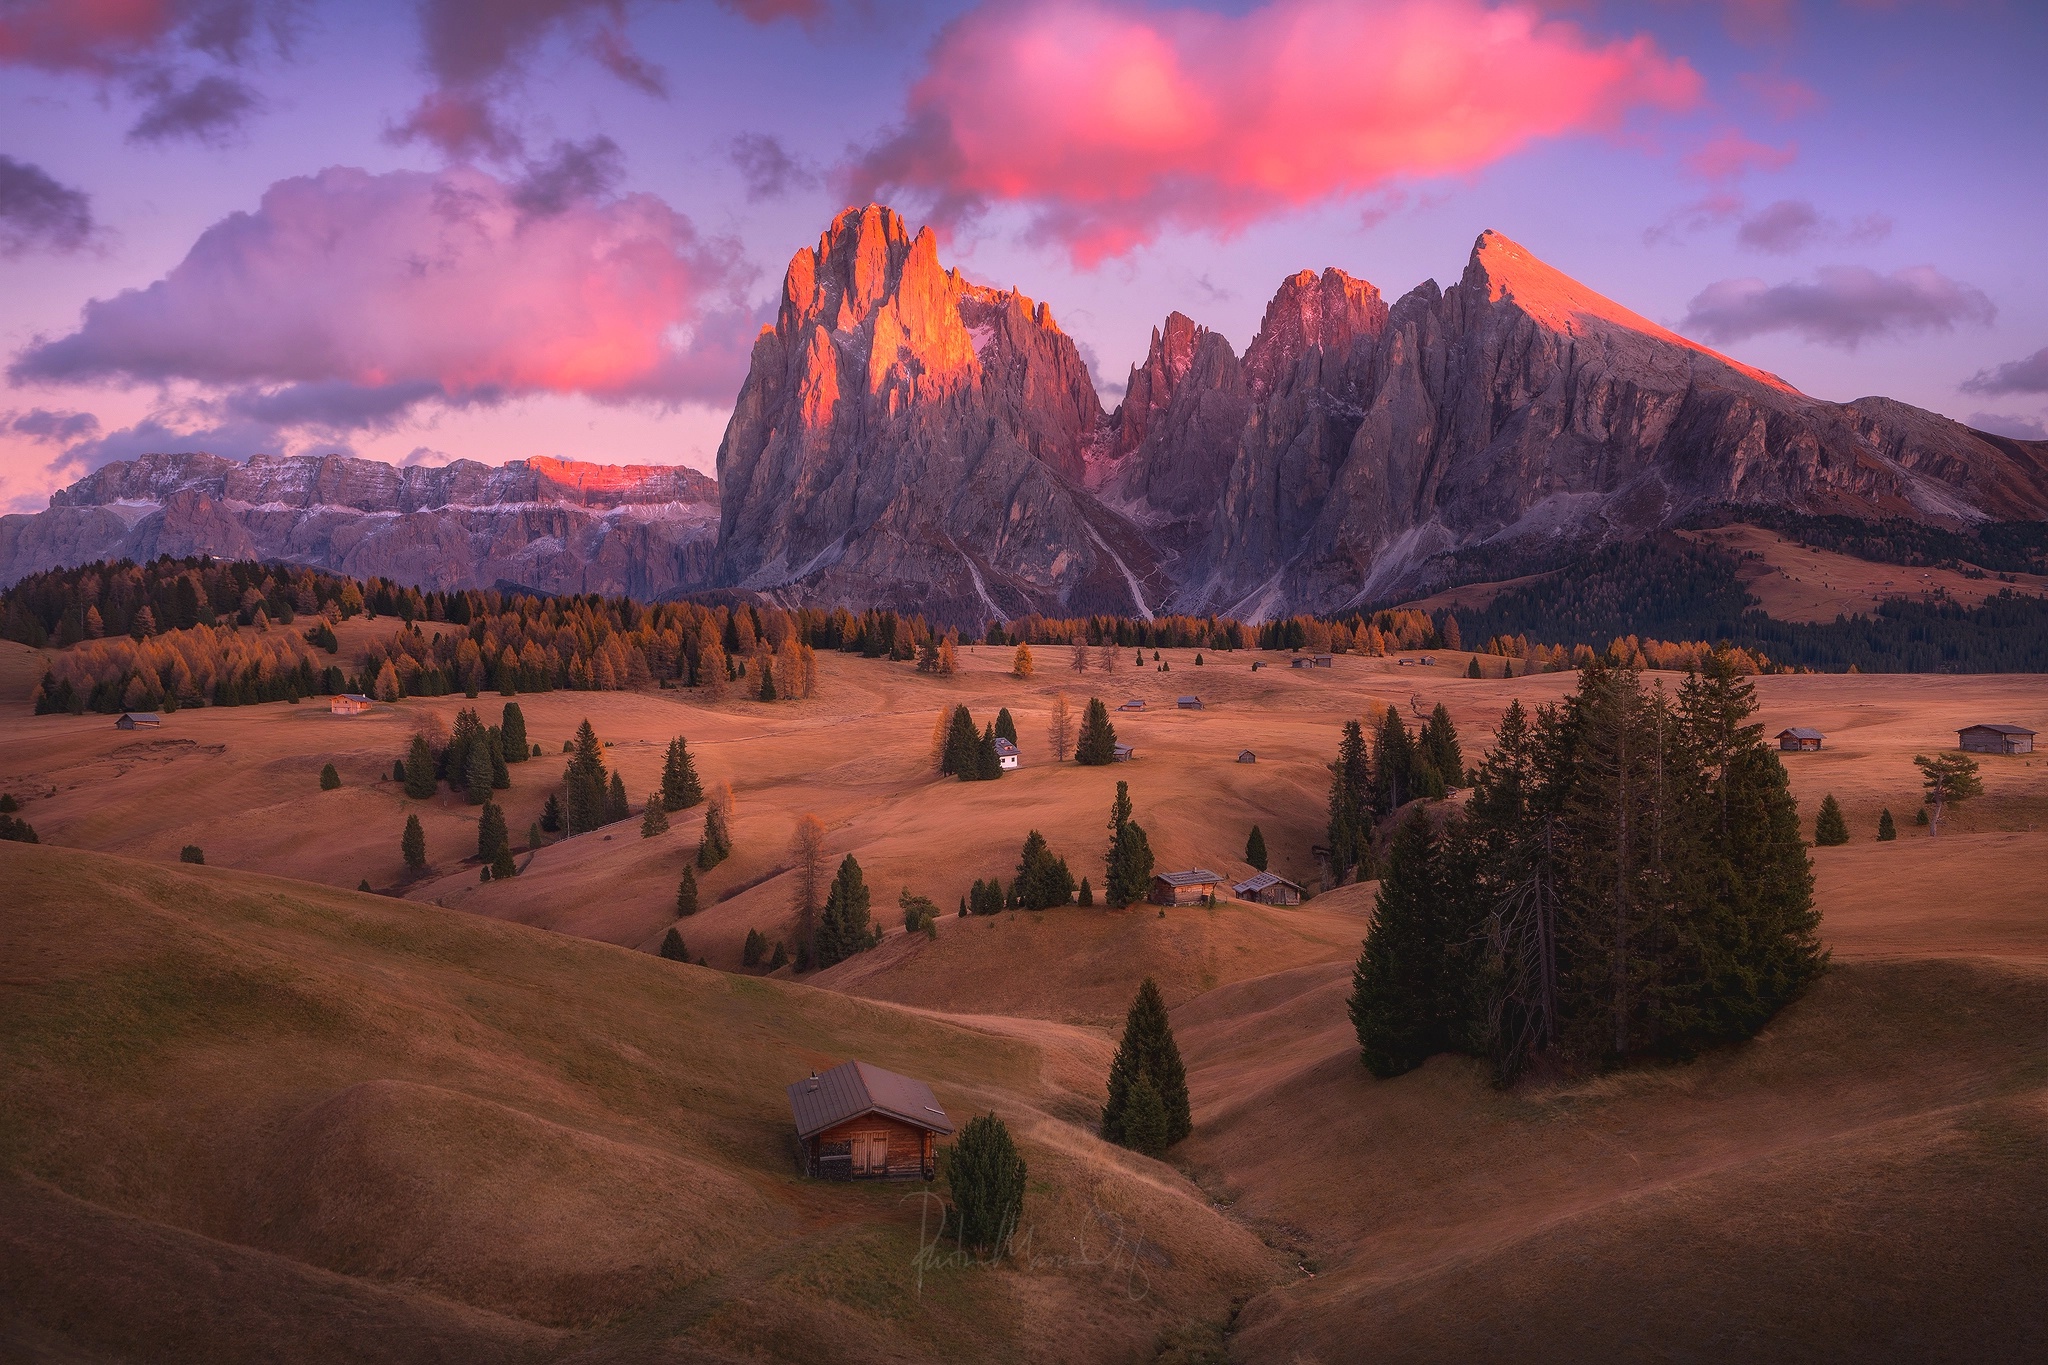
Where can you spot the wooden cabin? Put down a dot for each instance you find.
(138, 720)
(1193, 887)
(1325, 661)
(1268, 888)
(1123, 753)
(859, 1122)
(1006, 753)
(1247, 756)
(1301, 661)
(1188, 703)
(1134, 704)
(349, 704)
(1995, 739)
(1799, 739)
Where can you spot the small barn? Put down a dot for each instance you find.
(859, 1122)
(349, 704)
(1995, 739)
(1325, 661)
(138, 720)
(1189, 703)
(1268, 888)
(1006, 753)
(1193, 887)
(1799, 739)
(1247, 756)
(1123, 753)
(1301, 661)
(1134, 704)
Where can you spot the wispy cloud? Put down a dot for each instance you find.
(1842, 306)
(2029, 375)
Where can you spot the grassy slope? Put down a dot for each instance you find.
(1866, 1180)
(244, 1111)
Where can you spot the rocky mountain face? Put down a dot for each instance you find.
(553, 525)
(906, 438)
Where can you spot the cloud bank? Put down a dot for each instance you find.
(1112, 122)
(1843, 305)
(2015, 376)
(347, 297)
(39, 214)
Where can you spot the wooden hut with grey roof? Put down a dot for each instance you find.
(859, 1122)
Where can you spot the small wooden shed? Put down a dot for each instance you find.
(1189, 703)
(349, 704)
(138, 720)
(1134, 704)
(1247, 756)
(1799, 739)
(859, 1122)
(1301, 661)
(1268, 888)
(1123, 753)
(1995, 739)
(1325, 661)
(1192, 887)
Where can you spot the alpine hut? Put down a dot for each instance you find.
(349, 704)
(1799, 739)
(1006, 753)
(1193, 887)
(1267, 888)
(859, 1122)
(1995, 739)
(138, 720)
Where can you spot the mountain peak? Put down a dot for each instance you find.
(1502, 270)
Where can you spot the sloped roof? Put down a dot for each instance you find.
(1260, 881)
(1194, 877)
(354, 696)
(1186, 700)
(1004, 747)
(1997, 728)
(854, 1088)
(151, 717)
(1801, 732)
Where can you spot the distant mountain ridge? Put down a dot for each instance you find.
(906, 438)
(551, 525)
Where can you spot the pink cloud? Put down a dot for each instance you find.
(360, 292)
(84, 35)
(1113, 122)
(1731, 155)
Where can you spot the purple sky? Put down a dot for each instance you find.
(428, 229)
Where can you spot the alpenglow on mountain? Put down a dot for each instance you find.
(906, 438)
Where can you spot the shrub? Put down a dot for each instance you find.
(919, 912)
(986, 1178)
(191, 853)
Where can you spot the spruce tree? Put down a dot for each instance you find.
(583, 782)
(672, 946)
(1144, 1122)
(1393, 766)
(988, 764)
(767, 692)
(1127, 867)
(1147, 1050)
(329, 778)
(1351, 805)
(686, 896)
(501, 777)
(1440, 746)
(1043, 880)
(962, 757)
(502, 865)
(755, 948)
(1412, 992)
(680, 788)
(655, 819)
(1097, 745)
(551, 814)
(513, 729)
(780, 958)
(1472, 669)
(1887, 830)
(414, 844)
(491, 833)
(615, 805)
(843, 927)
(1829, 828)
(716, 844)
(419, 769)
(1255, 849)
(1087, 895)
(1006, 728)
(985, 1177)
(477, 774)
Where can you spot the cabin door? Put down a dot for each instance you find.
(870, 1153)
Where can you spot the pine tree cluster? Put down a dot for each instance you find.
(1043, 880)
(1127, 867)
(968, 754)
(1628, 880)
